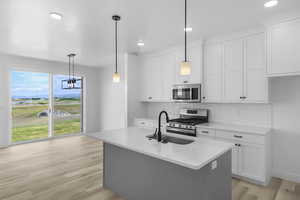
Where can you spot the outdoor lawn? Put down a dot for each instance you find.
(29, 125)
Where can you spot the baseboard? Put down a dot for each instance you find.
(46, 139)
(286, 176)
(2, 146)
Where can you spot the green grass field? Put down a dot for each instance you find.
(28, 126)
(32, 132)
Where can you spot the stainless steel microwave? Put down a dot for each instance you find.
(186, 93)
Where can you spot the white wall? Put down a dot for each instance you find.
(9, 63)
(113, 102)
(285, 97)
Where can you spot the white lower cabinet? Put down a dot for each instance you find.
(249, 155)
(251, 161)
(235, 159)
(145, 123)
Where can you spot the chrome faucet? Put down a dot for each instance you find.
(159, 124)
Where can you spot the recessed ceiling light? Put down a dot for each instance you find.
(271, 3)
(56, 16)
(140, 43)
(188, 29)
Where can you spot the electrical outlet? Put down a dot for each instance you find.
(214, 165)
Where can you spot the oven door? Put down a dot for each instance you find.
(181, 94)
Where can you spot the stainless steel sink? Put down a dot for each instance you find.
(167, 139)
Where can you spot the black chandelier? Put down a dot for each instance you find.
(72, 82)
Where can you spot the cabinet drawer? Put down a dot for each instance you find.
(144, 123)
(206, 132)
(256, 139)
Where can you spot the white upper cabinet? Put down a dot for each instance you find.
(284, 49)
(255, 82)
(233, 71)
(195, 57)
(213, 62)
(151, 79)
(161, 71)
(168, 63)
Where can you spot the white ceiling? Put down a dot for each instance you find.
(87, 28)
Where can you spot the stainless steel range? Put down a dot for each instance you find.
(186, 123)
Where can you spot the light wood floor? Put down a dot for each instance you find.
(71, 169)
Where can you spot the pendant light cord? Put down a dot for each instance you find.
(73, 68)
(116, 45)
(185, 43)
(69, 67)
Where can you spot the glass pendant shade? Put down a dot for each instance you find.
(116, 77)
(185, 68)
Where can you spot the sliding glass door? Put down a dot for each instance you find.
(67, 110)
(30, 106)
(41, 108)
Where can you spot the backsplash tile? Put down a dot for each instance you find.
(242, 114)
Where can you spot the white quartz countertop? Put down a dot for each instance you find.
(236, 128)
(194, 156)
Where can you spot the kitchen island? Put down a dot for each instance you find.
(137, 168)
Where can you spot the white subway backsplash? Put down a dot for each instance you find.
(242, 114)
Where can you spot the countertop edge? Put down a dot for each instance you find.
(193, 167)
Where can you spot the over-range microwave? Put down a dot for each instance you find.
(186, 93)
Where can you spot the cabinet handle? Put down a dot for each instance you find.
(203, 97)
(149, 97)
(185, 81)
(238, 136)
(237, 145)
(205, 132)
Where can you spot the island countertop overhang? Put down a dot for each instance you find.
(194, 156)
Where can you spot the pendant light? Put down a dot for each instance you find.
(185, 66)
(72, 80)
(116, 75)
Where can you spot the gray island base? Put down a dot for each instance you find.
(135, 176)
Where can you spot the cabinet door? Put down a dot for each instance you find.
(168, 75)
(285, 48)
(155, 79)
(234, 157)
(255, 81)
(233, 70)
(195, 57)
(235, 160)
(152, 79)
(213, 73)
(251, 161)
(144, 81)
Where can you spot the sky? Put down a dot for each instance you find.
(30, 84)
